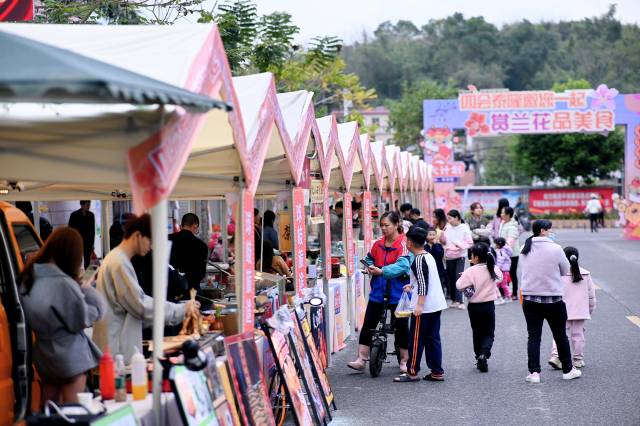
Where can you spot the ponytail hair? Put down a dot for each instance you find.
(573, 255)
(537, 227)
(484, 255)
(455, 213)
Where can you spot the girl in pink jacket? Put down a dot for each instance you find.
(580, 298)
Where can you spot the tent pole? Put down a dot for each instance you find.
(159, 226)
(105, 216)
(222, 205)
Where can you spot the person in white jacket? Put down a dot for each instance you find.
(593, 209)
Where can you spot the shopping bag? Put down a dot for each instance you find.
(404, 308)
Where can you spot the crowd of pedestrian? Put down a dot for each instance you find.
(430, 263)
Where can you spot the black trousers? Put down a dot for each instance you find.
(424, 333)
(454, 268)
(593, 221)
(371, 319)
(482, 317)
(556, 316)
(514, 276)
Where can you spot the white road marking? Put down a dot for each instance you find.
(634, 319)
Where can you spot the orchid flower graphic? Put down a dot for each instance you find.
(603, 97)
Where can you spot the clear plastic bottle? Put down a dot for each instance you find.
(121, 379)
(139, 378)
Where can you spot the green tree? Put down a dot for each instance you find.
(406, 117)
(499, 160)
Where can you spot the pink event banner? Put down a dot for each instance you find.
(300, 235)
(349, 250)
(368, 226)
(248, 265)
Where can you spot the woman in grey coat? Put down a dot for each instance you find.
(58, 309)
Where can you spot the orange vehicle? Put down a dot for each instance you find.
(18, 241)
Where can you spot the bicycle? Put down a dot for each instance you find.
(378, 353)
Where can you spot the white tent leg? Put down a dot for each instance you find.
(159, 226)
(36, 216)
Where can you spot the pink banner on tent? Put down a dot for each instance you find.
(299, 232)
(248, 265)
(349, 250)
(327, 233)
(368, 226)
(155, 165)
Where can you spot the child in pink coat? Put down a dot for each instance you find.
(580, 298)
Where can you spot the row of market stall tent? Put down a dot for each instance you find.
(257, 147)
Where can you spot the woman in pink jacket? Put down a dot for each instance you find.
(479, 285)
(456, 240)
(580, 298)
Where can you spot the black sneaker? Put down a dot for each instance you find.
(482, 364)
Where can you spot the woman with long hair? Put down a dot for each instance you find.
(456, 239)
(58, 308)
(543, 264)
(495, 223)
(389, 263)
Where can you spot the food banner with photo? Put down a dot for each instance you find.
(489, 113)
(317, 199)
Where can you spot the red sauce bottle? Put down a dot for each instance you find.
(107, 376)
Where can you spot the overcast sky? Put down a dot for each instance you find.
(349, 18)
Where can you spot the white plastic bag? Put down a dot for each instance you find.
(404, 308)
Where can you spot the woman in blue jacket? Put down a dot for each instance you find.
(389, 261)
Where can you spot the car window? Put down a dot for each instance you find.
(26, 239)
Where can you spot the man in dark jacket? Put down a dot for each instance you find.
(45, 226)
(84, 222)
(188, 252)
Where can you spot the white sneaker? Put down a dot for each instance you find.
(507, 300)
(461, 306)
(499, 301)
(533, 378)
(573, 374)
(579, 363)
(555, 362)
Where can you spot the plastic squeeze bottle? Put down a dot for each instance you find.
(107, 376)
(139, 379)
(121, 379)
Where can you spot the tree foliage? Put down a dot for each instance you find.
(406, 114)
(519, 56)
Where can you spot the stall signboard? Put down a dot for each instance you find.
(314, 357)
(349, 250)
(248, 259)
(318, 330)
(339, 320)
(367, 220)
(16, 10)
(216, 387)
(570, 200)
(299, 230)
(298, 348)
(316, 193)
(284, 231)
(248, 379)
(287, 370)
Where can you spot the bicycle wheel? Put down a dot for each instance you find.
(377, 357)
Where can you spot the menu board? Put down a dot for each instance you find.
(248, 380)
(287, 370)
(194, 400)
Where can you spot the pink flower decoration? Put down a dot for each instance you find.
(603, 97)
(476, 124)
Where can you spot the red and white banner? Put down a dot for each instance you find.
(16, 10)
(327, 233)
(349, 250)
(566, 200)
(248, 265)
(300, 235)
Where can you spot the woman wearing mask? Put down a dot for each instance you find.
(58, 309)
(389, 262)
(510, 231)
(543, 265)
(456, 239)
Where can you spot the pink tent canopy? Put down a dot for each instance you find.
(362, 178)
(391, 153)
(327, 128)
(346, 150)
(403, 164)
(377, 163)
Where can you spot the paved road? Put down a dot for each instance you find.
(608, 392)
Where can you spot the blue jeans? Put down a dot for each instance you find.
(424, 335)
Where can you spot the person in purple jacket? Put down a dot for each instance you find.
(543, 266)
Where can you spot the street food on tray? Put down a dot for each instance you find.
(192, 324)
